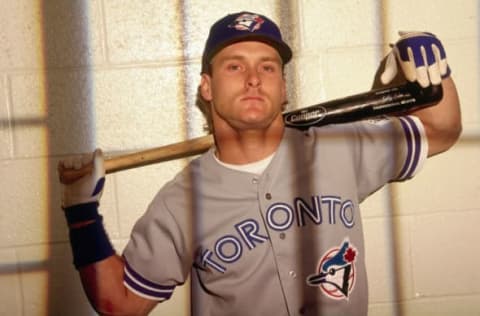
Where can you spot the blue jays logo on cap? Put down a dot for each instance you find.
(247, 22)
(243, 26)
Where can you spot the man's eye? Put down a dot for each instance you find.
(233, 67)
(269, 68)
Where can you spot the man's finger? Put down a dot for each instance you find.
(390, 70)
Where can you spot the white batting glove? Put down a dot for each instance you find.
(89, 187)
(421, 56)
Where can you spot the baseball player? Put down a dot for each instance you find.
(267, 222)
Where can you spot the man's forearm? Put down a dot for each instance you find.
(442, 122)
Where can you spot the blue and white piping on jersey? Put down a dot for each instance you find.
(414, 148)
(145, 288)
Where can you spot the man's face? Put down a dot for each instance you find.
(246, 86)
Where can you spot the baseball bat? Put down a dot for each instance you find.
(397, 99)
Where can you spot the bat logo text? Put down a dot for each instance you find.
(306, 117)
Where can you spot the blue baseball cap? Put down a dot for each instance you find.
(243, 26)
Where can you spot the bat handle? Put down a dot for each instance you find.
(183, 149)
(141, 158)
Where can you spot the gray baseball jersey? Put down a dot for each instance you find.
(286, 242)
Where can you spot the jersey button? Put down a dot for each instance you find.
(292, 274)
(254, 180)
(268, 196)
(282, 235)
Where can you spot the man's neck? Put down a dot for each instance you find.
(242, 147)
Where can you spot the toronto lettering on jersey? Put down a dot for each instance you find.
(246, 235)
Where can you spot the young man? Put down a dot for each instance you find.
(267, 222)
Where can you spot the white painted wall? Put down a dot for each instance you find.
(121, 75)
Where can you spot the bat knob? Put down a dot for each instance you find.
(430, 94)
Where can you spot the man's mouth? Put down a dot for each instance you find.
(252, 98)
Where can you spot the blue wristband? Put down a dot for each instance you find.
(90, 243)
(81, 213)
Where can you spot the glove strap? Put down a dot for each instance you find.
(89, 243)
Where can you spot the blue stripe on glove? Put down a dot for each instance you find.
(421, 57)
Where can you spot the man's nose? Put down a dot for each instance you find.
(253, 79)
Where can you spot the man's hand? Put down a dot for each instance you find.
(89, 187)
(421, 57)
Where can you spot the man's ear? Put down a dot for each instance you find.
(206, 87)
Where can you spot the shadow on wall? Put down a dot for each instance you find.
(70, 128)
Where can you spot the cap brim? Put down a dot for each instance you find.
(282, 48)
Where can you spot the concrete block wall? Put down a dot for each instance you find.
(122, 75)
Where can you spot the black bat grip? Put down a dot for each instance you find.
(373, 103)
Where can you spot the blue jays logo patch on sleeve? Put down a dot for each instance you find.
(335, 275)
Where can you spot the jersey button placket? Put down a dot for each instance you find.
(280, 251)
